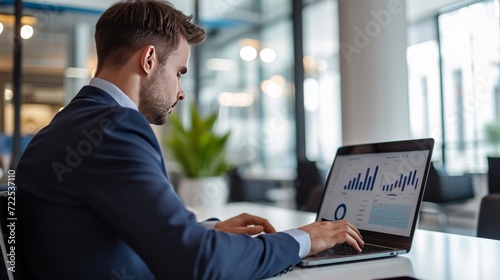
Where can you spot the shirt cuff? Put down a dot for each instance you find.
(210, 223)
(303, 239)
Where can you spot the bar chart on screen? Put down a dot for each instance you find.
(404, 181)
(377, 192)
(365, 182)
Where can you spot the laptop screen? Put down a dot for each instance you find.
(377, 192)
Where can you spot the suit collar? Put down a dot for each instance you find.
(90, 92)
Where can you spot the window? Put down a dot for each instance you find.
(469, 80)
(247, 67)
(322, 82)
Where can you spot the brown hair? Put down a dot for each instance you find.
(128, 26)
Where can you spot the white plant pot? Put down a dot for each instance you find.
(204, 193)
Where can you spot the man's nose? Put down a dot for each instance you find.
(181, 95)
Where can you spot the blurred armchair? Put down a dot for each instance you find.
(487, 224)
(445, 193)
(494, 174)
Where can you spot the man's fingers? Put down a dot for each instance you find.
(350, 229)
(354, 243)
(258, 221)
(355, 229)
(245, 230)
(344, 231)
(356, 235)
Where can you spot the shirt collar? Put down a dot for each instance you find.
(119, 96)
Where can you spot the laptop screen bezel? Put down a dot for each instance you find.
(425, 144)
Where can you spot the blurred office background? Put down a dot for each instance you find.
(293, 81)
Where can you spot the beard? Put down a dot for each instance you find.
(153, 103)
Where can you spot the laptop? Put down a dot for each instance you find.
(379, 188)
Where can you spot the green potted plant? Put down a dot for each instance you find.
(493, 134)
(201, 155)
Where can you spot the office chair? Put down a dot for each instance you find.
(444, 193)
(493, 174)
(488, 225)
(308, 178)
(443, 188)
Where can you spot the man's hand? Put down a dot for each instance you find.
(245, 223)
(326, 234)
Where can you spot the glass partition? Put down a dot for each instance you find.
(322, 102)
(454, 84)
(470, 66)
(246, 70)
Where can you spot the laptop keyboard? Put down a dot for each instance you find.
(346, 249)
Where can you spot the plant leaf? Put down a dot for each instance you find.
(198, 149)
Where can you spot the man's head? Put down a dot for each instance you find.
(129, 26)
(159, 36)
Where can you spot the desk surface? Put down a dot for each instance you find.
(434, 255)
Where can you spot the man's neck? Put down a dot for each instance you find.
(126, 81)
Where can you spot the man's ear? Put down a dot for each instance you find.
(148, 59)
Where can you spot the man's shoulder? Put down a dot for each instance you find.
(94, 106)
(91, 112)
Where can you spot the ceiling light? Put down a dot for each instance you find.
(26, 32)
(309, 63)
(8, 94)
(271, 88)
(267, 55)
(248, 53)
(27, 22)
(279, 80)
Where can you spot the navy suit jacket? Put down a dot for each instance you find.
(94, 202)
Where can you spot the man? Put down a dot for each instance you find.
(94, 198)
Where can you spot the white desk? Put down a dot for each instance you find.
(434, 255)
